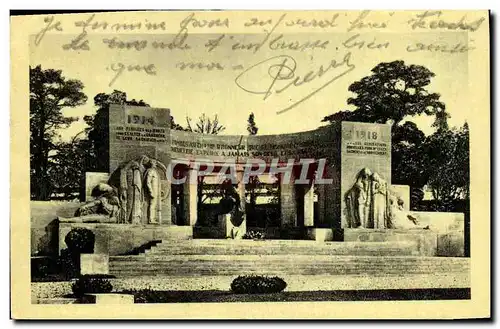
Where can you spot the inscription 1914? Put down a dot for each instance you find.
(140, 120)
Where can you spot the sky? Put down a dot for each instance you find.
(191, 92)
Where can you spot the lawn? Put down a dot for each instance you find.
(218, 296)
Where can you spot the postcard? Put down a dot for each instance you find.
(250, 165)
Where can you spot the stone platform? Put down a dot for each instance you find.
(425, 240)
(285, 258)
(446, 243)
(119, 239)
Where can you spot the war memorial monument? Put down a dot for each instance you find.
(337, 212)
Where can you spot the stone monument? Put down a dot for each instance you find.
(365, 175)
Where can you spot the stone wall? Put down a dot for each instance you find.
(426, 240)
(442, 222)
(450, 231)
(315, 144)
(47, 235)
(44, 235)
(119, 239)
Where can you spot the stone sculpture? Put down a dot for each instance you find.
(367, 202)
(135, 197)
(133, 193)
(381, 216)
(402, 219)
(153, 191)
(103, 209)
(370, 204)
(358, 200)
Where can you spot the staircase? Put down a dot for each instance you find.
(209, 257)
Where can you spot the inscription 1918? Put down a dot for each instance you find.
(365, 134)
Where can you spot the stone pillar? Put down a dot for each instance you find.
(321, 205)
(191, 197)
(165, 217)
(288, 202)
(309, 205)
(326, 202)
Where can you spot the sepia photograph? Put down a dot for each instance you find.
(233, 158)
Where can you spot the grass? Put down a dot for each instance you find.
(218, 296)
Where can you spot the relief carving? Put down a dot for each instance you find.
(370, 204)
(132, 195)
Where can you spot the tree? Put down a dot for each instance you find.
(98, 130)
(205, 125)
(447, 153)
(392, 93)
(69, 165)
(408, 164)
(252, 127)
(50, 94)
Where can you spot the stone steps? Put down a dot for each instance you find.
(201, 265)
(213, 257)
(283, 247)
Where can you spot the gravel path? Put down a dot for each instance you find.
(294, 283)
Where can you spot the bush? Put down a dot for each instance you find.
(91, 284)
(143, 296)
(254, 235)
(69, 263)
(80, 241)
(256, 284)
(41, 267)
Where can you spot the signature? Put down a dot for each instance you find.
(280, 76)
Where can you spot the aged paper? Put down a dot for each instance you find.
(293, 70)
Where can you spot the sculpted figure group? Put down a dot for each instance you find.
(370, 204)
(132, 195)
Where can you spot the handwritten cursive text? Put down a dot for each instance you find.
(281, 76)
(120, 68)
(51, 25)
